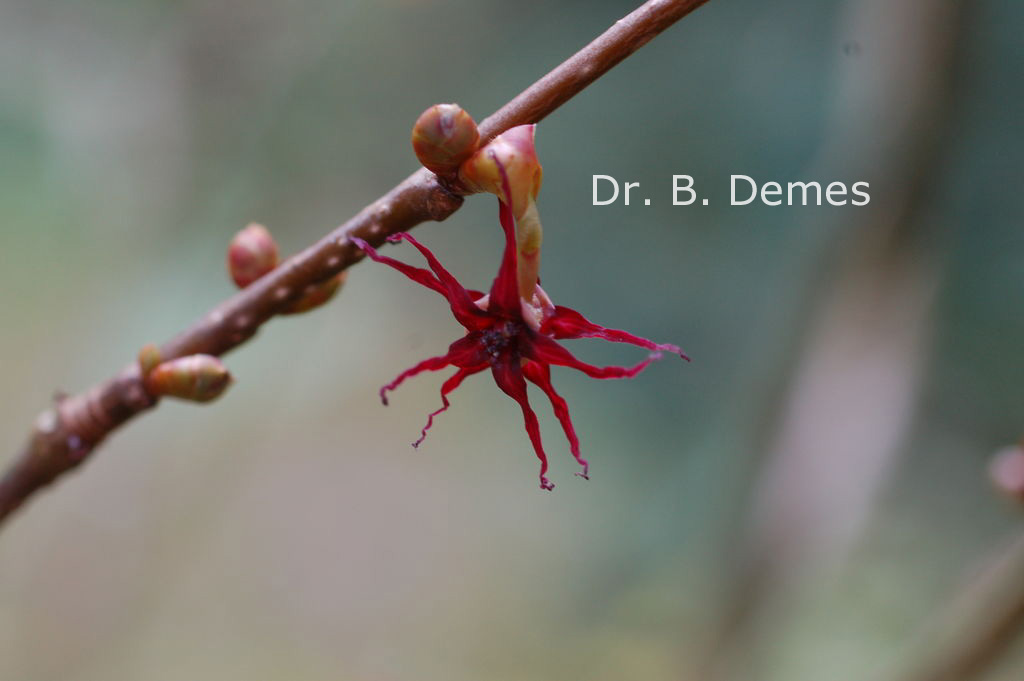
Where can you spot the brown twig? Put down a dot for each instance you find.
(66, 435)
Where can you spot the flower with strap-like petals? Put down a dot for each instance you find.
(513, 337)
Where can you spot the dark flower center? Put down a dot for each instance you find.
(497, 339)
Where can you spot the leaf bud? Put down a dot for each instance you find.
(197, 378)
(443, 137)
(251, 254)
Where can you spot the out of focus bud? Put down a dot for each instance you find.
(315, 296)
(1007, 471)
(251, 254)
(198, 378)
(149, 358)
(510, 157)
(443, 137)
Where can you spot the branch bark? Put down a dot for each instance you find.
(67, 434)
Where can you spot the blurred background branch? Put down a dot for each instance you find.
(968, 638)
(838, 411)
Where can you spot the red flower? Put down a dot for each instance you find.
(516, 340)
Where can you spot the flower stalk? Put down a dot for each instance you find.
(508, 167)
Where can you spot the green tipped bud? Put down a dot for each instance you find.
(251, 254)
(317, 295)
(198, 378)
(149, 358)
(443, 137)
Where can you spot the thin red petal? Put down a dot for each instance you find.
(448, 386)
(465, 352)
(466, 313)
(544, 350)
(460, 298)
(540, 374)
(505, 289)
(509, 377)
(417, 274)
(568, 323)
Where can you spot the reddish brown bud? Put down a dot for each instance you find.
(317, 295)
(198, 378)
(1007, 471)
(251, 254)
(443, 137)
(149, 358)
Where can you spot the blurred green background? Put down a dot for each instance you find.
(794, 505)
